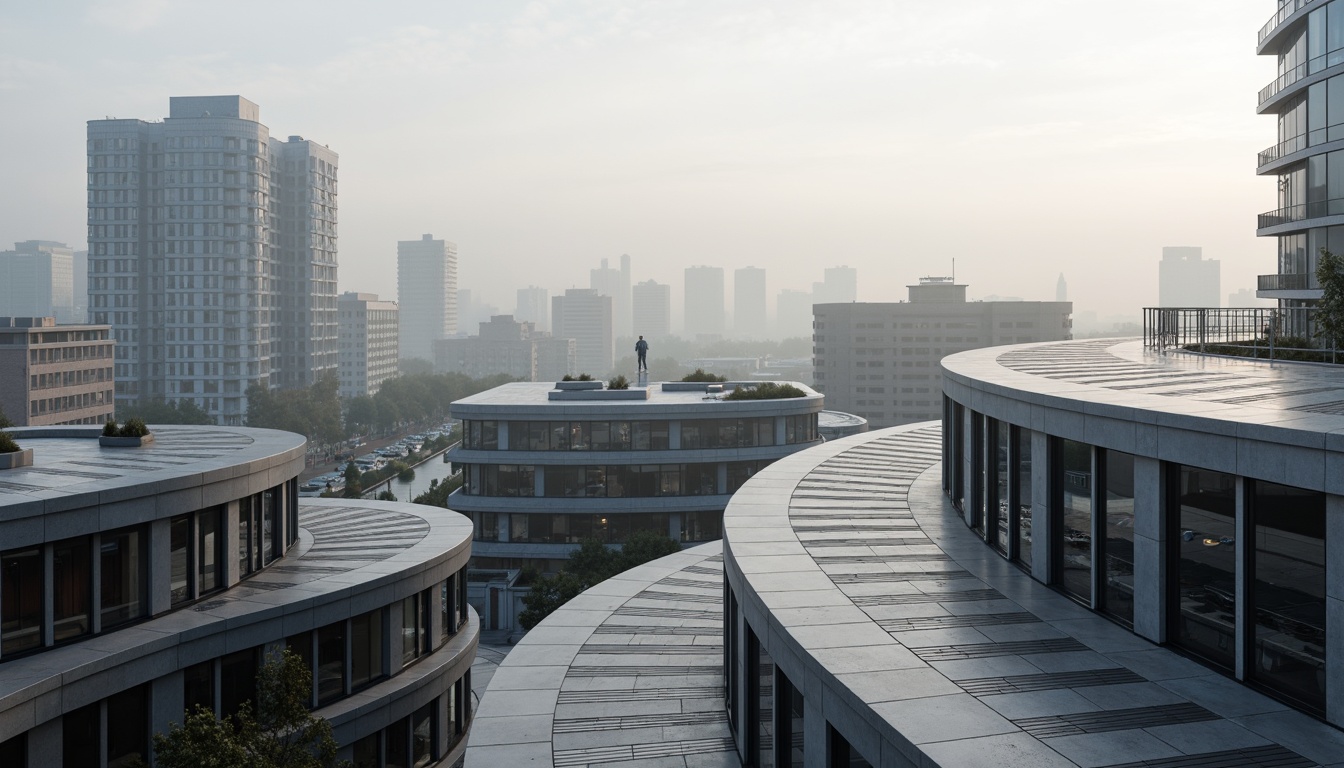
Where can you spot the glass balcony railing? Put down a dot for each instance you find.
(1301, 212)
(1282, 149)
(1309, 67)
(1301, 282)
(1286, 9)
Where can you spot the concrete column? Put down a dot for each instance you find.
(391, 638)
(721, 478)
(1150, 542)
(503, 427)
(435, 618)
(45, 747)
(814, 733)
(96, 601)
(539, 482)
(166, 704)
(1334, 609)
(781, 431)
(1040, 507)
(160, 566)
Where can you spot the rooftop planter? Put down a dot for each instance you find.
(11, 455)
(132, 434)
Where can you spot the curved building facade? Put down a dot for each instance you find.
(546, 466)
(139, 583)
(1307, 98)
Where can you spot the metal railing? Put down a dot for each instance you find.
(1301, 212)
(1264, 333)
(1301, 282)
(1286, 9)
(1309, 67)
(1282, 149)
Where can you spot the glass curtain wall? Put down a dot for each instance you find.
(1117, 598)
(1075, 531)
(1023, 496)
(1203, 604)
(1000, 524)
(1287, 643)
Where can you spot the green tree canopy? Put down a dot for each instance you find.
(593, 562)
(278, 732)
(1330, 307)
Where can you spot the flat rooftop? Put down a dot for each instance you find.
(1122, 374)
(68, 461)
(525, 393)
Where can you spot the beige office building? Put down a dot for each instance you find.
(55, 374)
(368, 343)
(880, 360)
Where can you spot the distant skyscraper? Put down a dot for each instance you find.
(749, 315)
(652, 306)
(1186, 279)
(1245, 298)
(534, 306)
(584, 315)
(703, 302)
(212, 253)
(839, 285)
(81, 274)
(368, 343)
(1061, 289)
(616, 284)
(426, 294)
(793, 314)
(37, 280)
(472, 311)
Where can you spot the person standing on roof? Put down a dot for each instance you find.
(642, 350)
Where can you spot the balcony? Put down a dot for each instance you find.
(1282, 149)
(1286, 9)
(1301, 212)
(1302, 282)
(1294, 75)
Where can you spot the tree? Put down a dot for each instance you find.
(645, 547)
(4, 420)
(547, 593)
(591, 563)
(278, 732)
(1330, 307)
(157, 410)
(353, 489)
(361, 413)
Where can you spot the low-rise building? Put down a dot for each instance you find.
(506, 346)
(56, 374)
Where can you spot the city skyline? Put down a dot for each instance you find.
(550, 152)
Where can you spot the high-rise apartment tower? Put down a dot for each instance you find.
(212, 253)
(426, 293)
(703, 302)
(652, 307)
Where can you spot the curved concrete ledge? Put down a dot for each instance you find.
(920, 646)
(630, 670)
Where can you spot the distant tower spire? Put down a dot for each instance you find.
(1061, 289)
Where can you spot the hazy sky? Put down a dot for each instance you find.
(1024, 138)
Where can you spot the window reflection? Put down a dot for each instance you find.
(1118, 548)
(21, 600)
(1024, 491)
(1075, 545)
(1205, 584)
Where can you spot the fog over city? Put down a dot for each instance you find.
(1023, 139)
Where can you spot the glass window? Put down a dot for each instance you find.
(366, 648)
(398, 742)
(366, 752)
(1288, 583)
(422, 736)
(268, 529)
(842, 754)
(245, 536)
(208, 539)
(763, 696)
(790, 722)
(448, 606)
(701, 526)
(198, 687)
(1000, 527)
(81, 736)
(412, 629)
(330, 662)
(14, 751)
(1023, 494)
(237, 680)
(123, 577)
(21, 594)
(1075, 543)
(128, 728)
(1118, 546)
(180, 558)
(979, 473)
(72, 585)
(1203, 511)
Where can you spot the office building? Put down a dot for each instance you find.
(37, 279)
(838, 285)
(1186, 279)
(880, 360)
(472, 310)
(504, 346)
(703, 303)
(793, 314)
(55, 374)
(749, 313)
(426, 294)
(652, 307)
(547, 465)
(616, 284)
(369, 335)
(122, 617)
(584, 315)
(212, 254)
(534, 306)
(81, 275)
